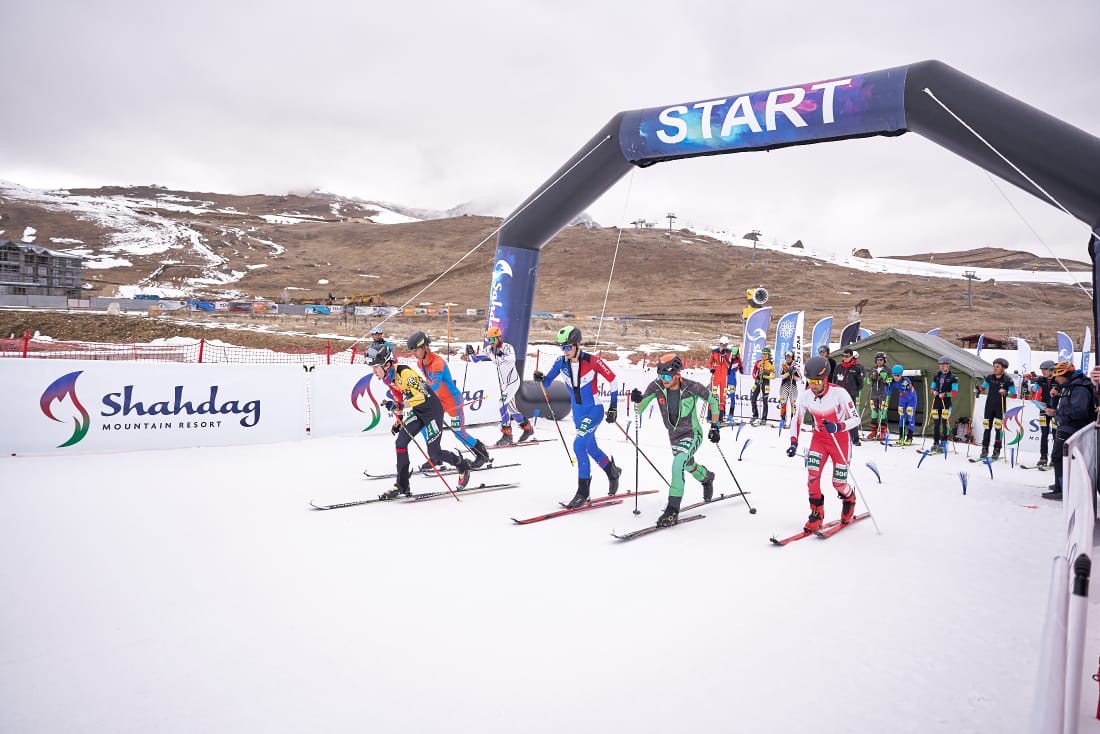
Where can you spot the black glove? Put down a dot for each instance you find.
(977, 391)
(612, 414)
(538, 376)
(389, 405)
(712, 370)
(714, 435)
(635, 395)
(831, 427)
(793, 448)
(396, 427)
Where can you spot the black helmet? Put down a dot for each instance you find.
(569, 335)
(1047, 365)
(823, 349)
(880, 355)
(669, 364)
(817, 368)
(1001, 361)
(417, 339)
(379, 354)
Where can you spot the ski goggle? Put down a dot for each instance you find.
(567, 348)
(816, 382)
(666, 378)
(493, 339)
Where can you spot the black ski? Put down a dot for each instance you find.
(719, 498)
(444, 472)
(415, 497)
(654, 528)
(515, 444)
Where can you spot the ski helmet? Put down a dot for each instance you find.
(880, 355)
(735, 349)
(817, 368)
(379, 355)
(823, 349)
(1047, 365)
(493, 332)
(417, 339)
(945, 360)
(376, 331)
(766, 352)
(789, 353)
(570, 335)
(724, 340)
(669, 364)
(1064, 369)
(896, 369)
(1002, 361)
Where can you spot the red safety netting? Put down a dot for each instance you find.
(196, 352)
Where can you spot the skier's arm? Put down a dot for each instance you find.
(604, 371)
(647, 396)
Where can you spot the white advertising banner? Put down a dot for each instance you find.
(78, 406)
(347, 399)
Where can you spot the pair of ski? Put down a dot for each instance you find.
(649, 530)
(593, 504)
(420, 497)
(827, 530)
(444, 472)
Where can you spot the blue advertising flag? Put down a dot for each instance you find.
(864, 333)
(1086, 350)
(784, 334)
(756, 338)
(1065, 347)
(934, 332)
(850, 334)
(820, 335)
(981, 343)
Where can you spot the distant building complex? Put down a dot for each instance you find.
(30, 270)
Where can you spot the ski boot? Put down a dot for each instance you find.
(996, 453)
(847, 507)
(1055, 493)
(396, 492)
(817, 515)
(1042, 463)
(528, 432)
(708, 486)
(936, 449)
(873, 435)
(581, 497)
(426, 468)
(613, 473)
(481, 455)
(505, 437)
(671, 515)
(985, 454)
(463, 467)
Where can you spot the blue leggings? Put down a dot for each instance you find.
(586, 419)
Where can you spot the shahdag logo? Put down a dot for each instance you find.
(62, 388)
(1013, 416)
(361, 389)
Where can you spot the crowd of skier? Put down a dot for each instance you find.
(820, 397)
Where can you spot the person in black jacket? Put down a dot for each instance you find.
(999, 389)
(849, 375)
(1076, 409)
(1042, 390)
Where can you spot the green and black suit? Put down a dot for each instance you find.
(679, 409)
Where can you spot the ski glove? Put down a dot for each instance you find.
(714, 435)
(793, 448)
(396, 427)
(635, 395)
(538, 376)
(389, 405)
(831, 427)
(712, 370)
(612, 414)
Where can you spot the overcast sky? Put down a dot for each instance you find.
(434, 104)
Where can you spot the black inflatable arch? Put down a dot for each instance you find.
(1062, 160)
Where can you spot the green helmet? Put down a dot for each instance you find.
(569, 335)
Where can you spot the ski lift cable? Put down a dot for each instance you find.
(614, 257)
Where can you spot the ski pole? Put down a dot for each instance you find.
(636, 454)
(1004, 433)
(429, 460)
(550, 407)
(643, 455)
(852, 481)
(752, 510)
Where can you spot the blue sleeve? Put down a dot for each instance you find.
(479, 358)
(446, 379)
(555, 370)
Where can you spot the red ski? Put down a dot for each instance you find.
(801, 535)
(834, 529)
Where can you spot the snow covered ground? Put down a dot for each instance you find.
(195, 591)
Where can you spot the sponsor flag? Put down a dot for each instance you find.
(755, 339)
(850, 334)
(1065, 347)
(819, 337)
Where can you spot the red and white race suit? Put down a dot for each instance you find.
(834, 405)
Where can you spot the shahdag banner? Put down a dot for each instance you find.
(78, 406)
(756, 338)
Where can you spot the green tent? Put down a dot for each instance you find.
(920, 354)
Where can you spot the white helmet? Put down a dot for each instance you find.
(724, 340)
